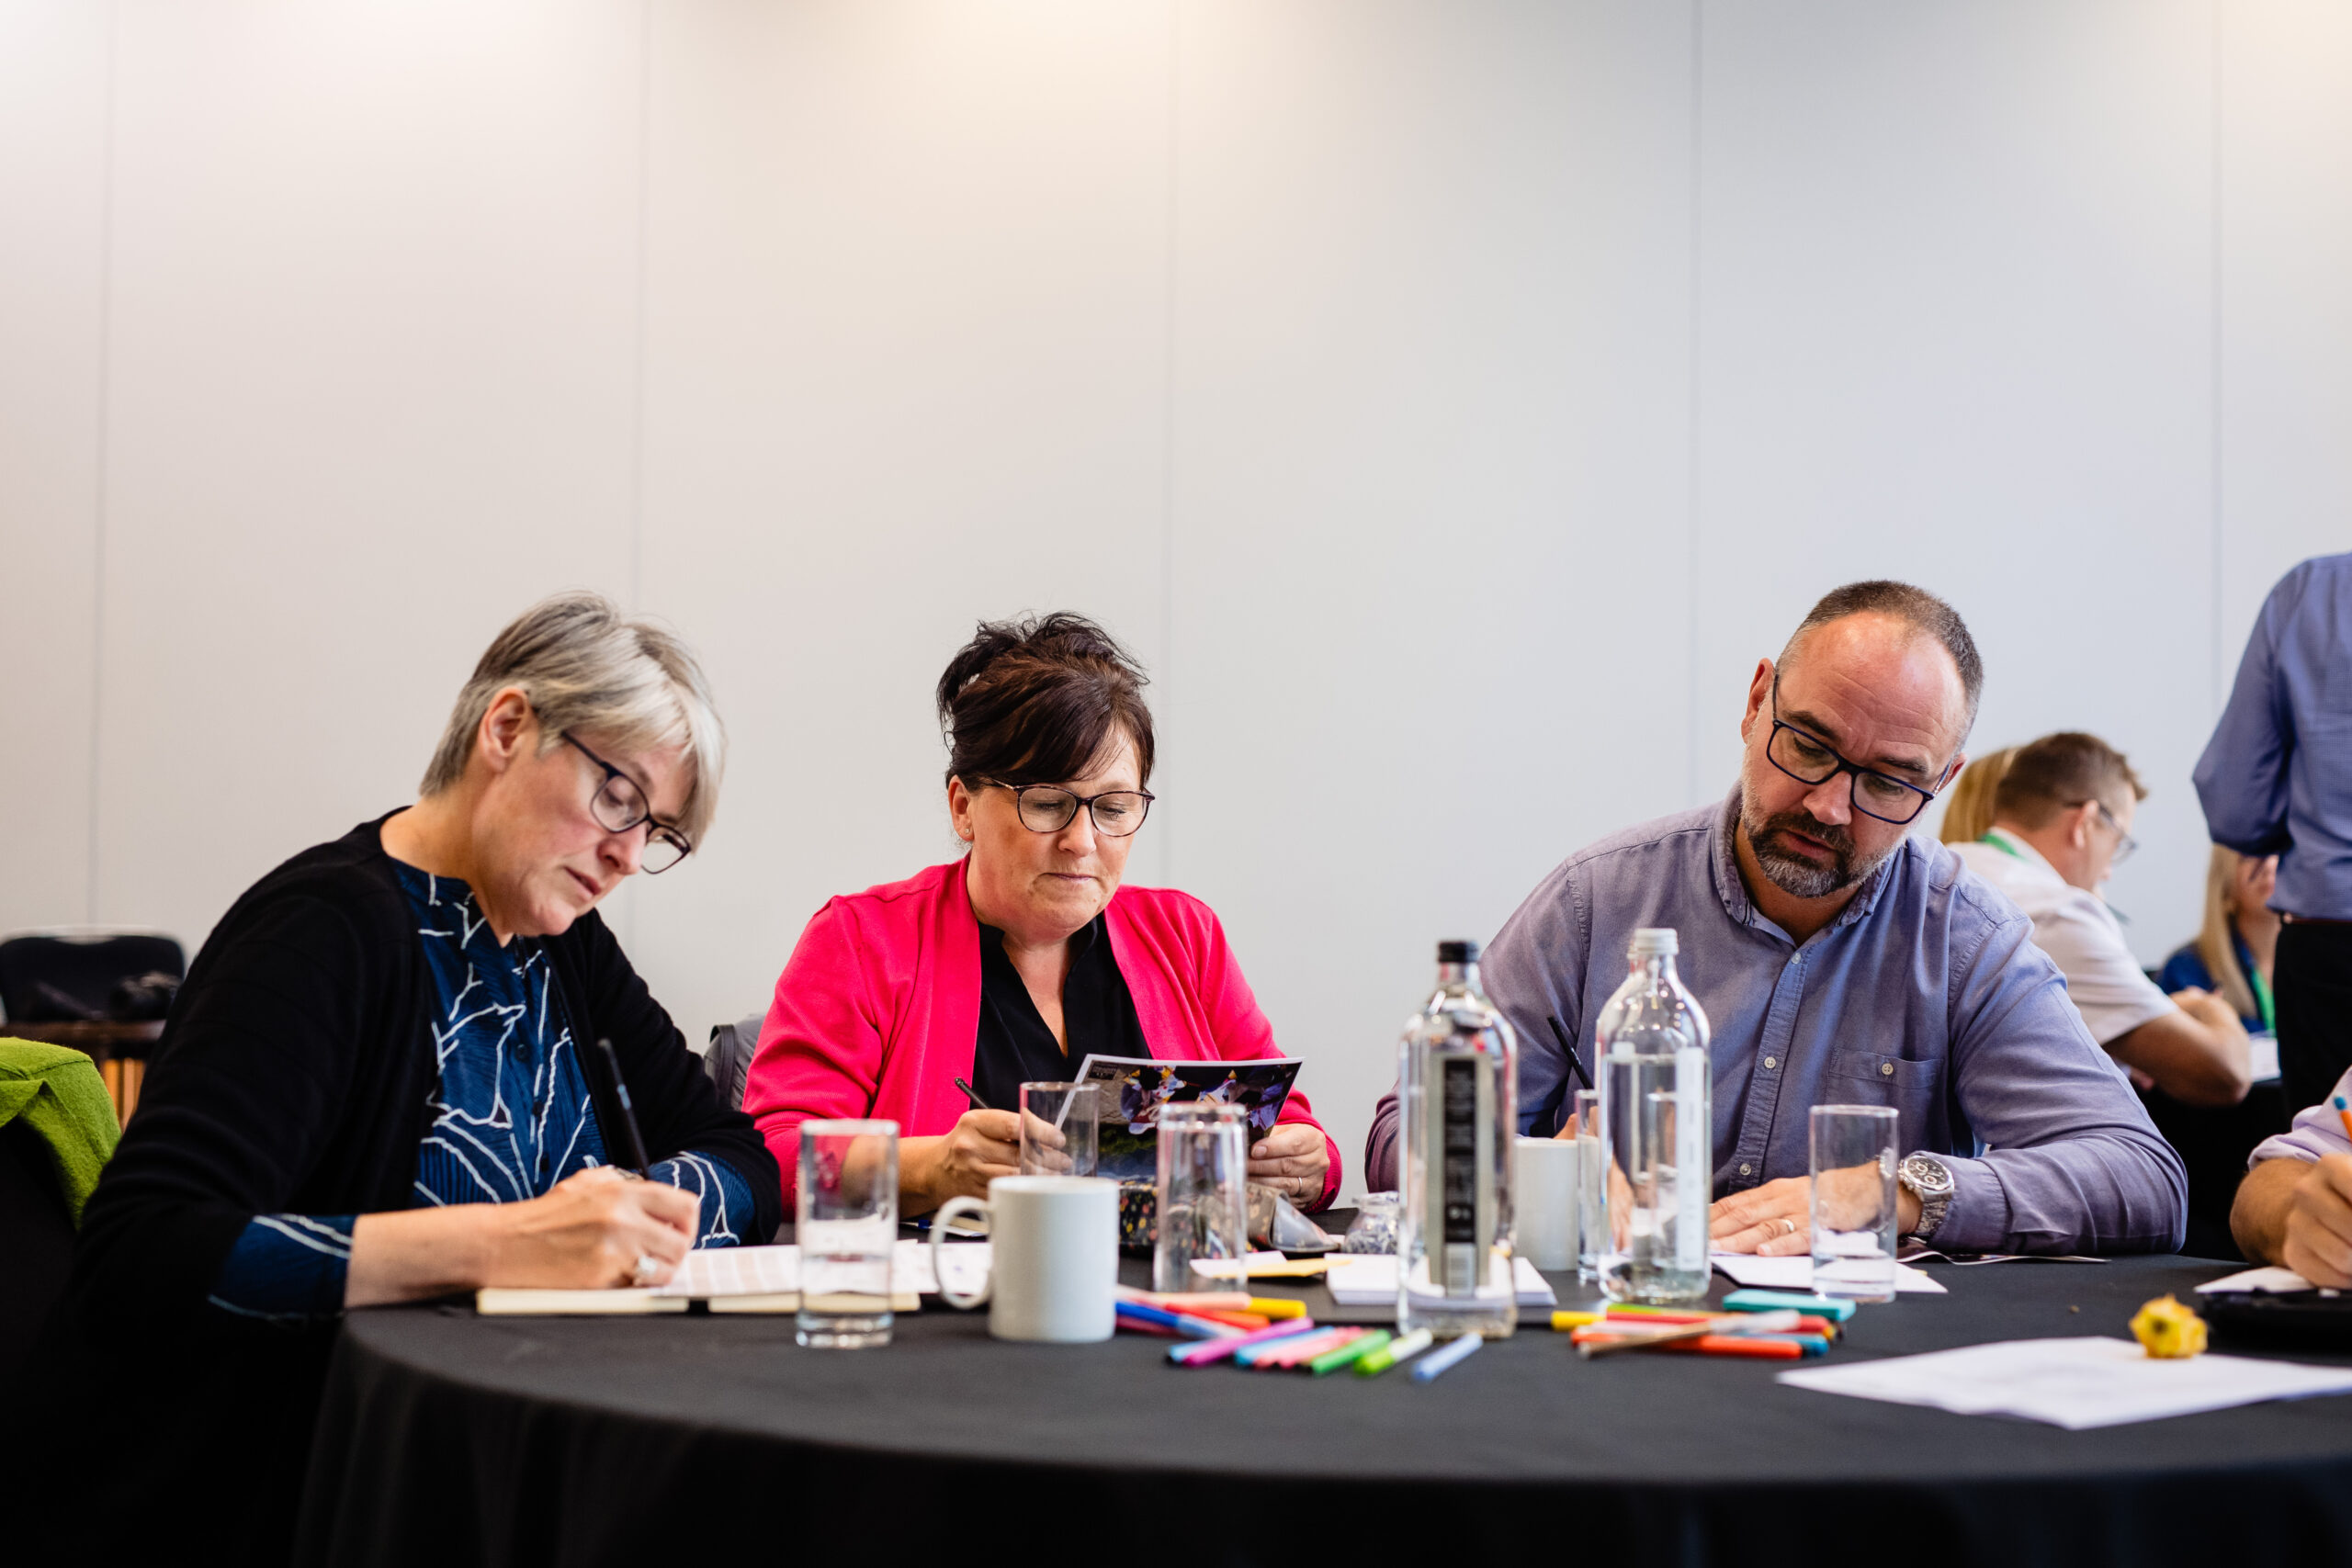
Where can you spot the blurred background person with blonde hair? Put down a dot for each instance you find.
(2231, 958)
(1968, 803)
(2233, 953)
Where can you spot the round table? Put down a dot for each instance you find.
(445, 1438)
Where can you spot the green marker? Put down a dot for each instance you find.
(1360, 1345)
(1375, 1362)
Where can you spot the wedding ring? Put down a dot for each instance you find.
(647, 1267)
(1788, 1226)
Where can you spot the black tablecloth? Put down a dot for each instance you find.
(448, 1438)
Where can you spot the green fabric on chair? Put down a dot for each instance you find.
(59, 1093)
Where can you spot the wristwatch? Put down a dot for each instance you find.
(1930, 1181)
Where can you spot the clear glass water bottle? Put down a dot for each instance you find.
(1657, 1087)
(1460, 1096)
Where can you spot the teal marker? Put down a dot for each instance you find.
(1837, 1309)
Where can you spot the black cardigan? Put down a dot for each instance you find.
(295, 1076)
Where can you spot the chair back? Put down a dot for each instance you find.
(121, 976)
(728, 1060)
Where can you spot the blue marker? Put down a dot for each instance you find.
(1437, 1361)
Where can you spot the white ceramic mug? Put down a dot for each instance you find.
(1543, 1200)
(1053, 1257)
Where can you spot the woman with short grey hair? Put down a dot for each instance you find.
(401, 1066)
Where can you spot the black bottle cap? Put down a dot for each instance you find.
(1457, 952)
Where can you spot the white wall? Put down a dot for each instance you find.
(1448, 398)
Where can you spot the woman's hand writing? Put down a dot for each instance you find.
(983, 1146)
(586, 1233)
(589, 1231)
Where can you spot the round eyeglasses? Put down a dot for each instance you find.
(1050, 808)
(620, 805)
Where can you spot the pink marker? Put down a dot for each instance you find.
(1291, 1352)
(1201, 1352)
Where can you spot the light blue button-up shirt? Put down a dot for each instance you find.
(2277, 777)
(1926, 994)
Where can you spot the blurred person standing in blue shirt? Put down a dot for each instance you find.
(1843, 959)
(2276, 780)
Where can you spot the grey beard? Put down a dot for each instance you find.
(1801, 878)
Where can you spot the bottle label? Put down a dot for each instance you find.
(1463, 1252)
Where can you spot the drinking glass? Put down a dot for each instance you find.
(1204, 1197)
(847, 1214)
(1059, 1125)
(1853, 1202)
(1592, 1188)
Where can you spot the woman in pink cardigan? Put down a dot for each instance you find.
(1014, 963)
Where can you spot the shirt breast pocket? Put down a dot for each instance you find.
(1871, 1079)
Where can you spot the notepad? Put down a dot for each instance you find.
(2075, 1383)
(1362, 1280)
(1796, 1274)
(743, 1279)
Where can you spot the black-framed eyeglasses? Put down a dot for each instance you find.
(620, 805)
(2124, 843)
(1050, 808)
(1811, 761)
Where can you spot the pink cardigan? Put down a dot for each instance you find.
(876, 1010)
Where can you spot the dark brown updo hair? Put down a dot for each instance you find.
(1040, 700)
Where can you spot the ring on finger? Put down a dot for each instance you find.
(1788, 1225)
(648, 1265)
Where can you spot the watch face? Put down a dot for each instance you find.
(1930, 1178)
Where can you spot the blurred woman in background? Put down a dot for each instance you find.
(2233, 953)
(1968, 803)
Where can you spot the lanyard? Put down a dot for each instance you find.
(2003, 845)
(2262, 998)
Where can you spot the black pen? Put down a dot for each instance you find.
(974, 1096)
(1576, 1064)
(632, 1141)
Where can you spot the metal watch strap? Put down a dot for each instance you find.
(1932, 1207)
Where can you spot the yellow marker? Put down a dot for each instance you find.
(1276, 1306)
(2168, 1330)
(1564, 1321)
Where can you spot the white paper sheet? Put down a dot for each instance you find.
(2075, 1383)
(1796, 1274)
(2269, 1281)
(1363, 1278)
(718, 1272)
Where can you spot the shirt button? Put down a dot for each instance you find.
(1744, 1170)
(1772, 1061)
(1886, 1069)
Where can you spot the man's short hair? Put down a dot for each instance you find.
(2060, 771)
(1915, 607)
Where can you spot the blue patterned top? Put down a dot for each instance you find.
(511, 1114)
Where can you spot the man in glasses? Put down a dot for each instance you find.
(2061, 819)
(1842, 959)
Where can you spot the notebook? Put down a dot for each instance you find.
(741, 1280)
